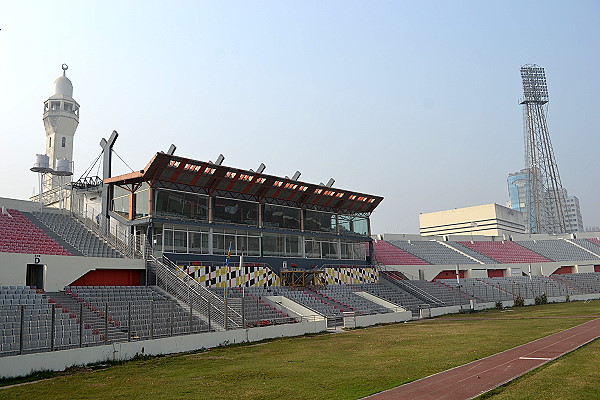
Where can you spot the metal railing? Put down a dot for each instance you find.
(417, 291)
(412, 289)
(51, 196)
(50, 327)
(129, 245)
(197, 297)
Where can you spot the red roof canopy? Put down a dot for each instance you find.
(170, 171)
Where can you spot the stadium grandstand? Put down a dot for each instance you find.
(192, 249)
(186, 254)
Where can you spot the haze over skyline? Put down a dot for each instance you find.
(415, 102)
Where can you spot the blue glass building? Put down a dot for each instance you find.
(519, 188)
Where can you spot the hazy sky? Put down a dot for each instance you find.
(416, 101)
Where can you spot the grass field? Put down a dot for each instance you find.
(346, 365)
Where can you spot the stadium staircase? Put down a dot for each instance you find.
(470, 252)
(347, 296)
(505, 252)
(502, 293)
(407, 286)
(587, 245)
(51, 234)
(442, 292)
(572, 287)
(388, 254)
(589, 282)
(396, 275)
(559, 250)
(143, 312)
(77, 235)
(433, 252)
(102, 326)
(255, 311)
(31, 321)
(451, 284)
(339, 306)
(394, 295)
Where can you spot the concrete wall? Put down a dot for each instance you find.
(15, 366)
(434, 312)
(402, 236)
(587, 235)
(584, 297)
(291, 307)
(380, 301)
(480, 270)
(478, 237)
(477, 273)
(59, 270)
(368, 320)
(585, 268)
(21, 205)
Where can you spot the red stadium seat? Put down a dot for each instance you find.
(19, 235)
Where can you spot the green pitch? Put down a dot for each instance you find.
(346, 365)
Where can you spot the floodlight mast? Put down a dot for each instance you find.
(546, 200)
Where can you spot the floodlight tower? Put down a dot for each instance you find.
(546, 203)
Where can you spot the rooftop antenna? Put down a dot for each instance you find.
(219, 161)
(330, 182)
(296, 176)
(260, 169)
(171, 150)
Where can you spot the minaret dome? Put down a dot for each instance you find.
(63, 85)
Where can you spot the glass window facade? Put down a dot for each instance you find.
(169, 203)
(141, 201)
(322, 248)
(281, 217)
(120, 202)
(240, 241)
(279, 245)
(353, 225)
(232, 211)
(353, 250)
(316, 221)
(181, 239)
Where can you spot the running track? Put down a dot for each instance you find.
(477, 377)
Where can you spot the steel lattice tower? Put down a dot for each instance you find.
(546, 200)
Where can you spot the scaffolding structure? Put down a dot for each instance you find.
(546, 198)
(300, 278)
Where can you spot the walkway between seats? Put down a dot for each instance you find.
(470, 380)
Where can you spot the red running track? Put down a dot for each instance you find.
(477, 377)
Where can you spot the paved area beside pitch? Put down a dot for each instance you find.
(477, 377)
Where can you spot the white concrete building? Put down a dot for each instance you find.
(574, 218)
(484, 220)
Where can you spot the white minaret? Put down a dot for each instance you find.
(61, 117)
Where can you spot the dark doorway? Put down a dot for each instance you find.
(35, 276)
